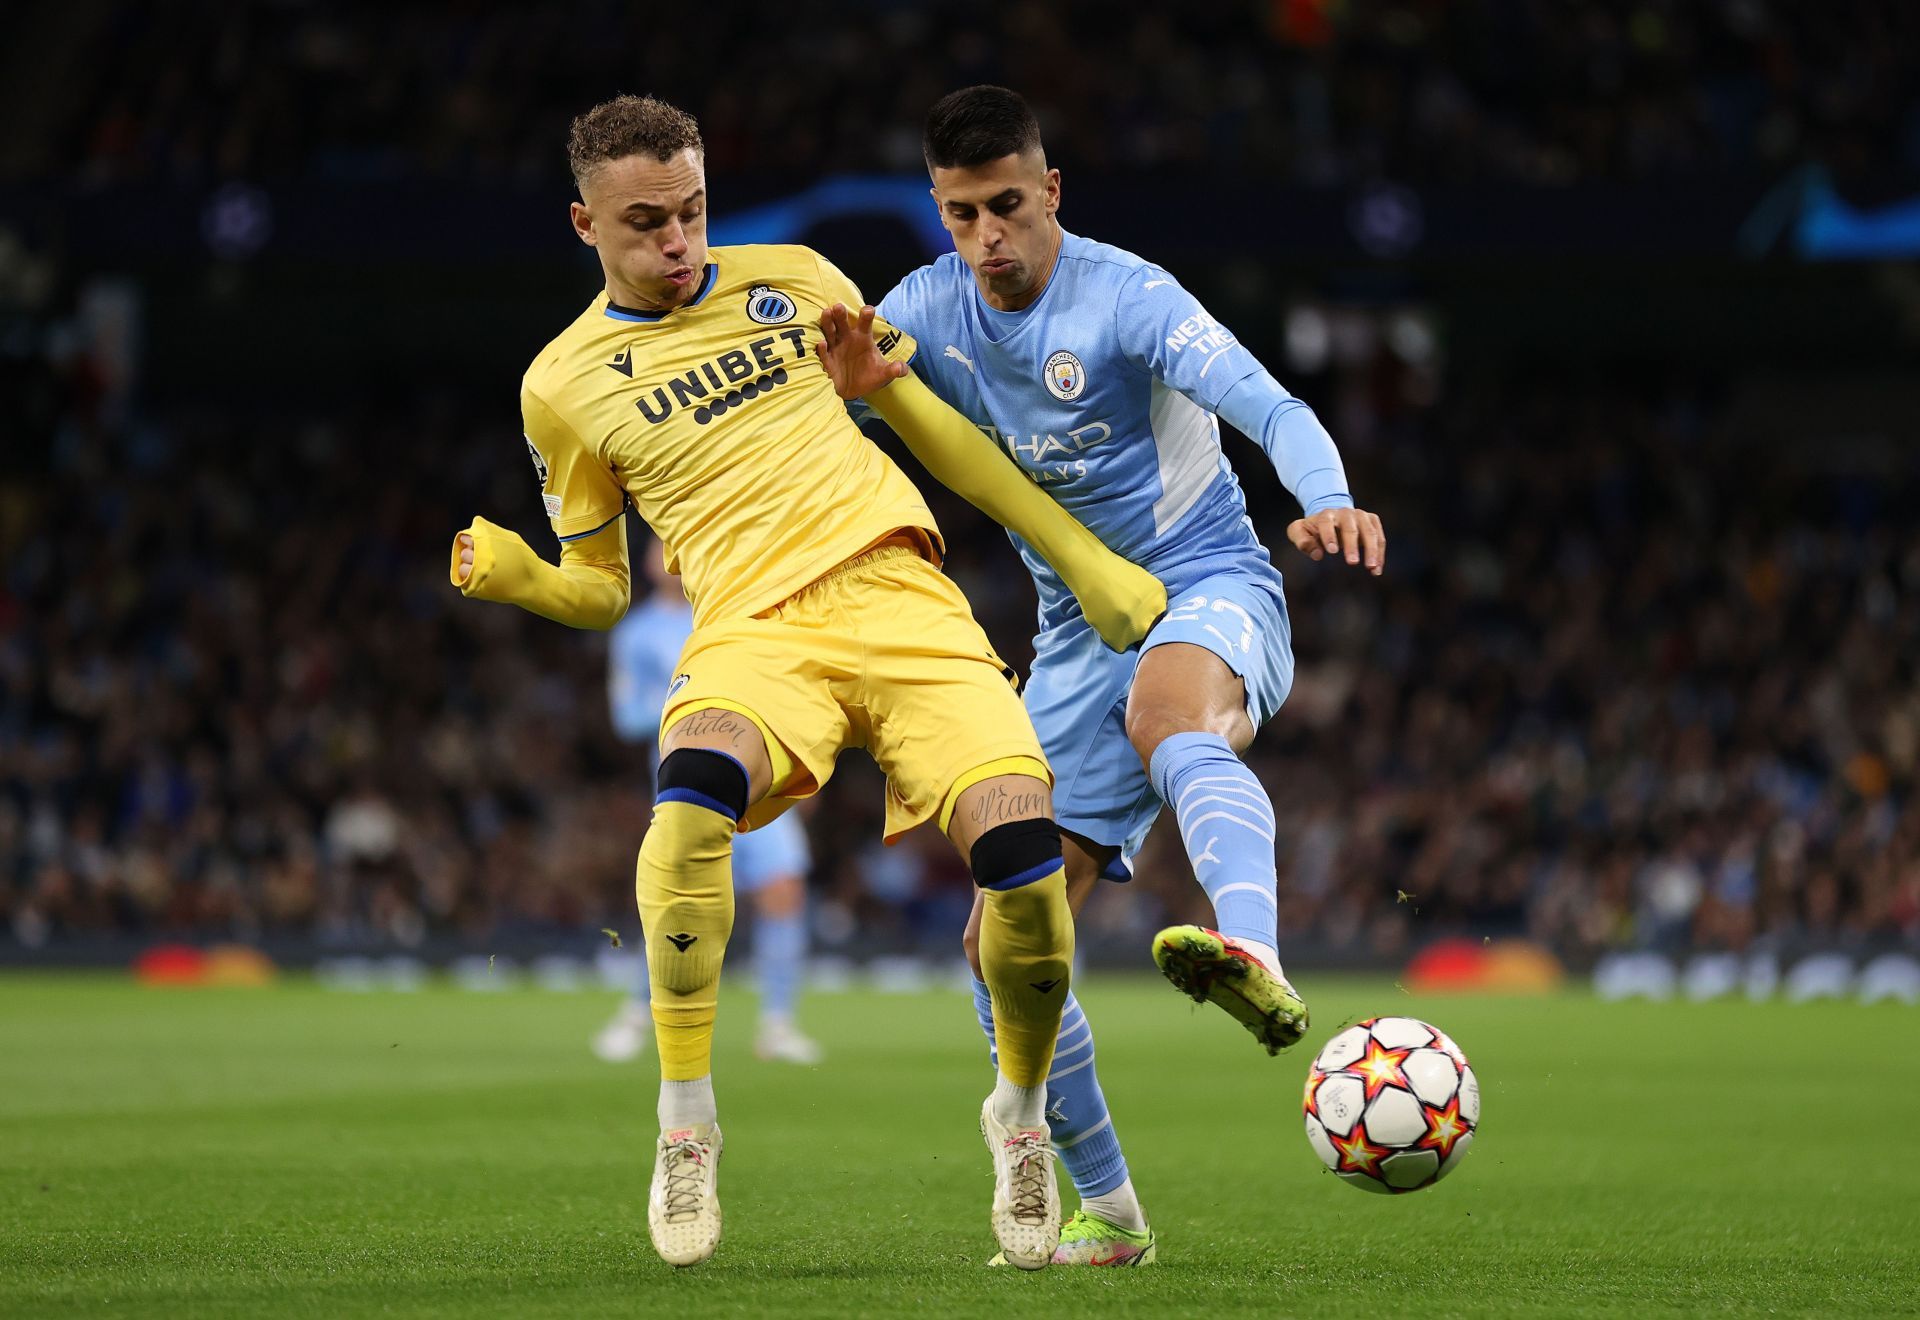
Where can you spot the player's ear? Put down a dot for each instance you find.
(583, 223)
(1052, 191)
(938, 209)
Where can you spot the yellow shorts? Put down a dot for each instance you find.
(881, 653)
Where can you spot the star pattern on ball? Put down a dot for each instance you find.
(1314, 1079)
(1445, 1127)
(1357, 1154)
(1380, 1068)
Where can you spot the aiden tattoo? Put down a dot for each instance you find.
(715, 724)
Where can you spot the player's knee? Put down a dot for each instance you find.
(1147, 728)
(1020, 852)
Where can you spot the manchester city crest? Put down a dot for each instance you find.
(1064, 375)
(766, 305)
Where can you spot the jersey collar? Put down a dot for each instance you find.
(619, 313)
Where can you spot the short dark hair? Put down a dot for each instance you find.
(629, 126)
(977, 124)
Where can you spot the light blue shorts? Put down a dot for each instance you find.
(1077, 698)
(775, 849)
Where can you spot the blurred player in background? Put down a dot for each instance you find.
(1104, 379)
(769, 864)
(690, 389)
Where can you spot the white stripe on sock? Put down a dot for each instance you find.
(1246, 785)
(1084, 1063)
(1243, 804)
(1101, 1126)
(1243, 886)
(1193, 827)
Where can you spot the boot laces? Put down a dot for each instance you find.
(1027, 1183)
(686, 1164)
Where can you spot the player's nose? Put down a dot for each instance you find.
(673, 240)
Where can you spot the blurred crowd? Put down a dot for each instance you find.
(1316, 92)
(1644, 671)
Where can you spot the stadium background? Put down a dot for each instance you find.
(1612, 309)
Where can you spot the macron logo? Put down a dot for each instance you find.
(1045, 987)
(682, 942)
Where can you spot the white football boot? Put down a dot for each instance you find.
(630, 1032)
(1026, 1199)
(683, 1207)
(779, 1041)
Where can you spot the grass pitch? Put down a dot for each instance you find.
(295, 1151)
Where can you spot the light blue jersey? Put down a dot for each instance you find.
(1107, 391)
(643, 656)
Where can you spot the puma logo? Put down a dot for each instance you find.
(682, 942)
(959, 357)
(1045, 987)
(1207, 854)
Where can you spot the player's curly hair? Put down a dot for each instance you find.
(629, 126)
(977, 124)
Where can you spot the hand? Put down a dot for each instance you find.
(1354, 533)
(853, 361)
(463, 558)
(1123, 606)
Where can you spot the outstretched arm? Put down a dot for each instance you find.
(1309, 465)
(1167, 333)
(1121, 600)
(588, 588)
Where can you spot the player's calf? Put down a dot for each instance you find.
(1026, 958)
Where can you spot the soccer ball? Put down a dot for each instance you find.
(1391, 1105)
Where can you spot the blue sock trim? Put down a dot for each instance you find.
(695, 798)
(1026, 877)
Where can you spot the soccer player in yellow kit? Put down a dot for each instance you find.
(691, 389)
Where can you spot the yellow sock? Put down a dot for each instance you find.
(1026, 958)
(685, 884)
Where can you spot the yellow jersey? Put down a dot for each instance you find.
(719, 424)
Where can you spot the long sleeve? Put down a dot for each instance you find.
(1166, 332)
(1120, 599)
(588, 588)
(1300, 448)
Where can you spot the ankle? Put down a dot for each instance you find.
(1119, 1206)
(1019, 1106)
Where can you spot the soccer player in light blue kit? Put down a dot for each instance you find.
(769, 863)
(1105, 379)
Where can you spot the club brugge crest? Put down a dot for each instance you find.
(539, 463)
(768, 306)
(1065, 377)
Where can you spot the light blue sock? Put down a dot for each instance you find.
(1076, 1108)
(1226, 823)
(779, 955)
